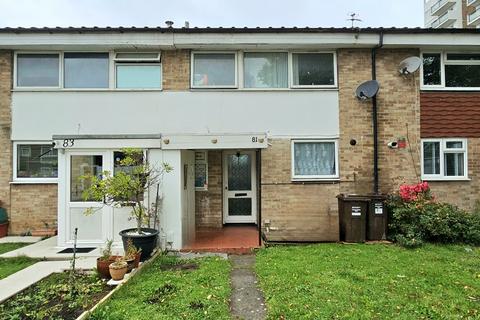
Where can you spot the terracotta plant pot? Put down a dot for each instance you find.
(117, 272)
(103, 266)
(50, 232)
(133, 263)
(3, 229)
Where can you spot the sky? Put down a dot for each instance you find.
(201, 13)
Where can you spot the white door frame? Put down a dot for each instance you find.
(248, 193)
(106, 214)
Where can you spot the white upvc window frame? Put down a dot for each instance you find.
(136, 62)
(443, 150)
(30, 88)
(21, 180)
(295, 177)
(328, 86)
(205, 162)
(242, 70)
(192, 69)
(443, 62)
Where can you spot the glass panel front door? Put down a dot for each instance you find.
(240, 187)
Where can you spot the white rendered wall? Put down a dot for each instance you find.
(39, 115)
(171, 192)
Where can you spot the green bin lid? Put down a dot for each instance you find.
(3, 215)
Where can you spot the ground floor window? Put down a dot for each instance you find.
(444, 159)
(314, 159)
(35, 161)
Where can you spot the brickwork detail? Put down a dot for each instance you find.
(5, 128)
(34, 206)
(398, 117)
(297, 212)
(176, 70)
(209, 204)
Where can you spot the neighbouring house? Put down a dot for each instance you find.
(261, 125)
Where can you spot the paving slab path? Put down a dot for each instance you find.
(247, 300)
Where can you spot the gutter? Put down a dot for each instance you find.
(375, 115)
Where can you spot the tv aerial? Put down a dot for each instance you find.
(367, 90)
(409, 65)
(354, 17)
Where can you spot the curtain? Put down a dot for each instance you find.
(314, 158)
(266, 70)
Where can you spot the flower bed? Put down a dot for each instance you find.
(417, 217)
(54, 298)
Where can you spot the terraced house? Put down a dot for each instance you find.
(261, 125)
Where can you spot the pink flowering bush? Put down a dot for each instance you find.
(415, 192)
(416, 218)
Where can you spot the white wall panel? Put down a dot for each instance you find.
(39, 115)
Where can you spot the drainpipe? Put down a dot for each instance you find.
(375, 116)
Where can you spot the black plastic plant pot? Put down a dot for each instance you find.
(147, 241)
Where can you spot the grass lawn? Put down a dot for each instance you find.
(5, 247)
(334, 281)
(9, 266)
(165, 289)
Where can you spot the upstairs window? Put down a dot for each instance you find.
(214, 70)
(86, 70)
(38, 70)
(462, 70)
(265, 70)
(138, 70)
(444, 159)
(451, 70)
(313, 69)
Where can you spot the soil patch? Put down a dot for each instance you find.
(54, 298)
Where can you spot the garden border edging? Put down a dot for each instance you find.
(87, 313)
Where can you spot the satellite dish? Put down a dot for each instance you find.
(367, 90)
(409, 65)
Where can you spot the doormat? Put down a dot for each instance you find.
(79, 250)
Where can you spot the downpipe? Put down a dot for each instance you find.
(375, 116)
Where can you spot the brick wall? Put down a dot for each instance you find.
(208, 204)
(176, 70)
(34, 206)
(398, 117)
(5, 128)
(297, 212)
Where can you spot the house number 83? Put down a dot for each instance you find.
(67, 143)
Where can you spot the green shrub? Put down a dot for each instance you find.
(414, 222)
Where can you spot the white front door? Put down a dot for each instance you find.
(91, 227)
(240, 187)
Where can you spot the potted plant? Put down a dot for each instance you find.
(3, 222)
(104, 261)
(133, 178)
(118, 269)
(132, 255)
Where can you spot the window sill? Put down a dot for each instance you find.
(39, 181)
(264, 89)
(84, 90)
(316, 181)
(426, 88)
(446, 179)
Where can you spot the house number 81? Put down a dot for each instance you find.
(67, 143)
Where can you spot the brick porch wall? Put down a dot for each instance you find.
(209, 204)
